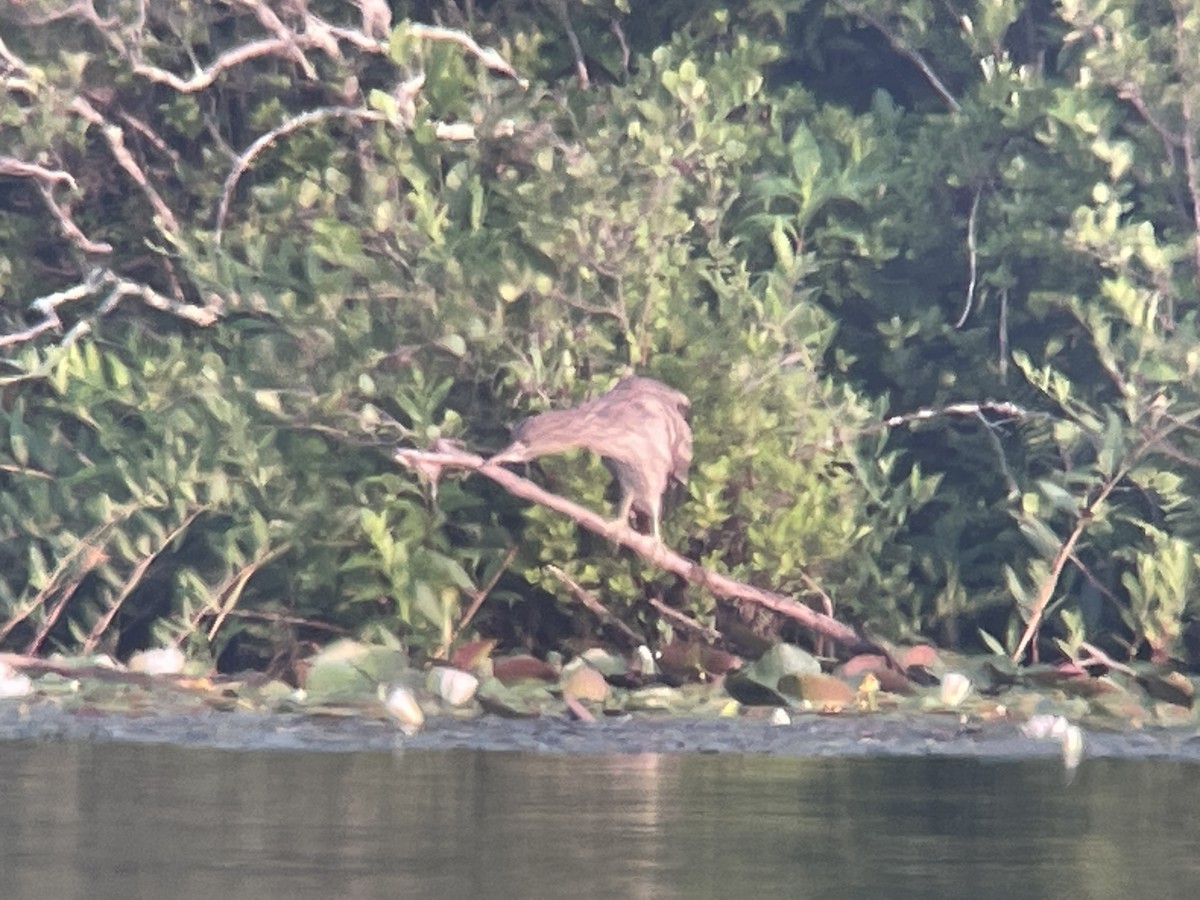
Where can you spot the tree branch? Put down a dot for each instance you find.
(486, 55)
(1087, 515)
(97, 281)
(972, 259)
(243, 162)
(116, 142)
(644, 545)
(685, 621)
(598, 609)
(901, 46)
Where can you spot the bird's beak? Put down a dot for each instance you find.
(513, 453)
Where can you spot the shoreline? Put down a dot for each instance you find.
(807, 736)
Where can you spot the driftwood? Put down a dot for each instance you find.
(431, 462)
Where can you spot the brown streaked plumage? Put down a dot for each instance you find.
(639, 429)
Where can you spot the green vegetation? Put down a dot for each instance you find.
(245, 251)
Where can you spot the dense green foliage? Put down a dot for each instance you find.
(809, 216)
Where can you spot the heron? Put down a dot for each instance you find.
(639, 429)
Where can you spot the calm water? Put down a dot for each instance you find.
(123, 821)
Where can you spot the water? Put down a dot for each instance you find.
(130, 821)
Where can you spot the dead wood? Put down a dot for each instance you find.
(431, 462)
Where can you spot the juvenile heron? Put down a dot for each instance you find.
(640, 431)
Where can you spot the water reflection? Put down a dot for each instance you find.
(110, 820)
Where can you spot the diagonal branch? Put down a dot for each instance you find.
(901, 46)
(486, 55)
(244, 161)
(115, 138)
(644, 545)
(1088, 514)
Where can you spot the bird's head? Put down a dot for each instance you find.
(550, 432)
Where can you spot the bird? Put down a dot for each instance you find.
(640, 431)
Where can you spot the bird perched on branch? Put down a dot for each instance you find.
(640, 431)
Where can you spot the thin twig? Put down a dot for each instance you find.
(70, 230)
(1132, 92)
(243, 162)
(682, 619)
(1002, 408)
(233, 589)
(88, 547)
(564, 19)
(901, 46)
(53, 613)
(47, 180)
(1091, 578)
(1099, 656)
(1002, 336)
(1086, 515)
(150, 135)
(116, 143)
(584, 596)
(1050, 582)
(972, 259)
(477, 601)
(135, 578)
(619, 33)
(285, 619)
(1014, 489)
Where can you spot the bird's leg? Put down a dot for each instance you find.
(655, 519)
(625, 508)
(654, 514)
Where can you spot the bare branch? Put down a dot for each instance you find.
(21, 169)
(619, 34)
(98, 281)
(295, 123)
(486, 55)
(1098, 656)
(685, 621)
(232, 589)
(564, 19)
(285, 42)
(902, 47)
(477, 600)
(206, 76)
(24, 80)
(1132, 91)
(116, 142)
(1002, 336)
(972, 259)
(287, 37)
(149, 134)
(360, 40)
(1087, 514)
(134, 579)
(584, 596)
(83, 556)
(1001, 408)
(644, 545)
(81, 9)
(376, 19)
(47, 180)
(70, 230)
